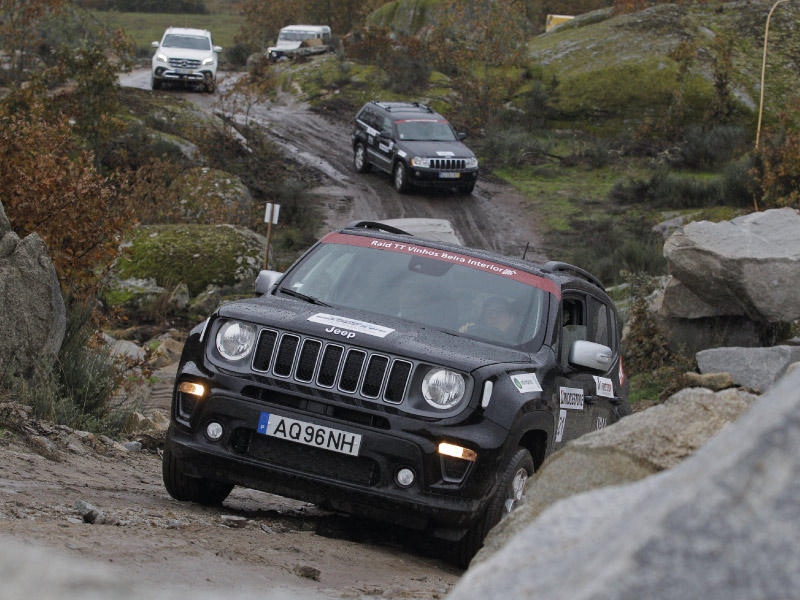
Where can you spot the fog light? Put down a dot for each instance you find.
(457, 451)
(214, 431)
(404, 477)
(194, 389)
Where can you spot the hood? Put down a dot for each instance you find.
(436, 149)
(185, 53)
(286, 45)
(369, 330)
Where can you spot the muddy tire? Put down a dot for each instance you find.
(191, 489)
(505, 499)
(466, 190)
(360, 158)
(400, 178)
(155, 84)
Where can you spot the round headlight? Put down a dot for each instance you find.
(442, 388)
(235, 339)
(421, 161)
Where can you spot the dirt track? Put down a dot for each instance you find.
(281, 544)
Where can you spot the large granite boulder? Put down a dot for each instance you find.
(722, 525)
(750, 265)
(754, 368)
(631, 449)
(32, 313)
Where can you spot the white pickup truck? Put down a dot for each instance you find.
(300, 40)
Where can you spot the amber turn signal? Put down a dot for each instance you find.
(191, 388)
(457, 451)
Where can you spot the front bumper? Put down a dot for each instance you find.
(446, 179)
(194, 76)
(444, 498)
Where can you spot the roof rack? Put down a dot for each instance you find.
(555, 266)
(377, 226)
(403, 106)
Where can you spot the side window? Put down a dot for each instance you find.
(387, 126)
(573, 324)
(599, 330)
(368, 117)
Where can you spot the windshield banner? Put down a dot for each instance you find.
(452, 257)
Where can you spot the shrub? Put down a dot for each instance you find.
(512, 147)
(703, 148)
(666, 190)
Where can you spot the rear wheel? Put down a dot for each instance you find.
(192, 489)
(360, 158)
(400, 177)
(505, 499)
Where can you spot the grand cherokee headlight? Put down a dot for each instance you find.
(208, 61)
(235, 339)
(442, 388)
(471, 163)
(419, 161)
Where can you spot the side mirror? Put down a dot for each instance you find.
(590, 355)
(155, 44)
(265, 280)
(217, 49)
(461, 136)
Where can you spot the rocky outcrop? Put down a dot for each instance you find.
(722, 525)
(32, 312)
(750, 265)
(635, 447)
(754, 368)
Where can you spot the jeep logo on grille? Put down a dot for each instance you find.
(343, 332)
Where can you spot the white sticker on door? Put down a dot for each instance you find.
(562, 419)
(605, 387)
(526, 382)
(571, 398)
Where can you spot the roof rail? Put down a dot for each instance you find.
(555, 266)
(377, 226)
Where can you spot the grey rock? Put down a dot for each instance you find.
(631, 449)
(206, 302)
(754, 368)
(179, 299)
(133, 446)
(32, 312)
(722, 525)
(671, 223)
(750, 264)
(89, 513)
(307, 572)
(124, 349)
(132, 293)
(233, 521)
(680, 301)
(693, 335)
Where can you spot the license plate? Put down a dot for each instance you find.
(184, 71)
(309, 434)
(449, 175)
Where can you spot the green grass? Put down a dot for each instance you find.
(145, 28)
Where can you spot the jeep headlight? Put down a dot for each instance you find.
(419, 161)
(208, 61)
(471, 163)
(235, 340)
(160, 57)
(442, 388)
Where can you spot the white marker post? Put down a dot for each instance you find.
(270, 218)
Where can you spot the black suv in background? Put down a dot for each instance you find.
(411, 381)
(414, 144)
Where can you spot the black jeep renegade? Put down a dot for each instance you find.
(414, 144)
(412, 381)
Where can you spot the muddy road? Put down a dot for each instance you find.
(494, 217)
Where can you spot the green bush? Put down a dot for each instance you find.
(703, 148)
(666, 190)
(78, 389)
(511, 147)
(237, 54)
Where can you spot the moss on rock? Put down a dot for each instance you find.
(224, 256)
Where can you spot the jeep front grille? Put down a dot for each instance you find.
(349, 370)
(183, 63)
(448, 164)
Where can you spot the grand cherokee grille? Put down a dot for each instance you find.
(444, 164)
(183, 63)
(348, 370)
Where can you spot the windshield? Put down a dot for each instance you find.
(451, 292)
(296, 36)
(425, 130)
(190, 42)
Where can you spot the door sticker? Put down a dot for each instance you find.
(571, 398)
(605, 387)
(601, 423)
(526, 382)
(562, 419)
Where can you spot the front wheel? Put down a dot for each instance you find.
(505, 499)
(466, 190)
(192, 489)
(400, 178)
(155, 84)
(360, 158)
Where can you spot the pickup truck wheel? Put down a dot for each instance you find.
(360, 158)
(400, 177)
(505, 499)
(155, 84)
(192, 489)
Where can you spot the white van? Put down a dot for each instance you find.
(301, 40)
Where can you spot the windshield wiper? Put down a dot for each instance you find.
(309, 299)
